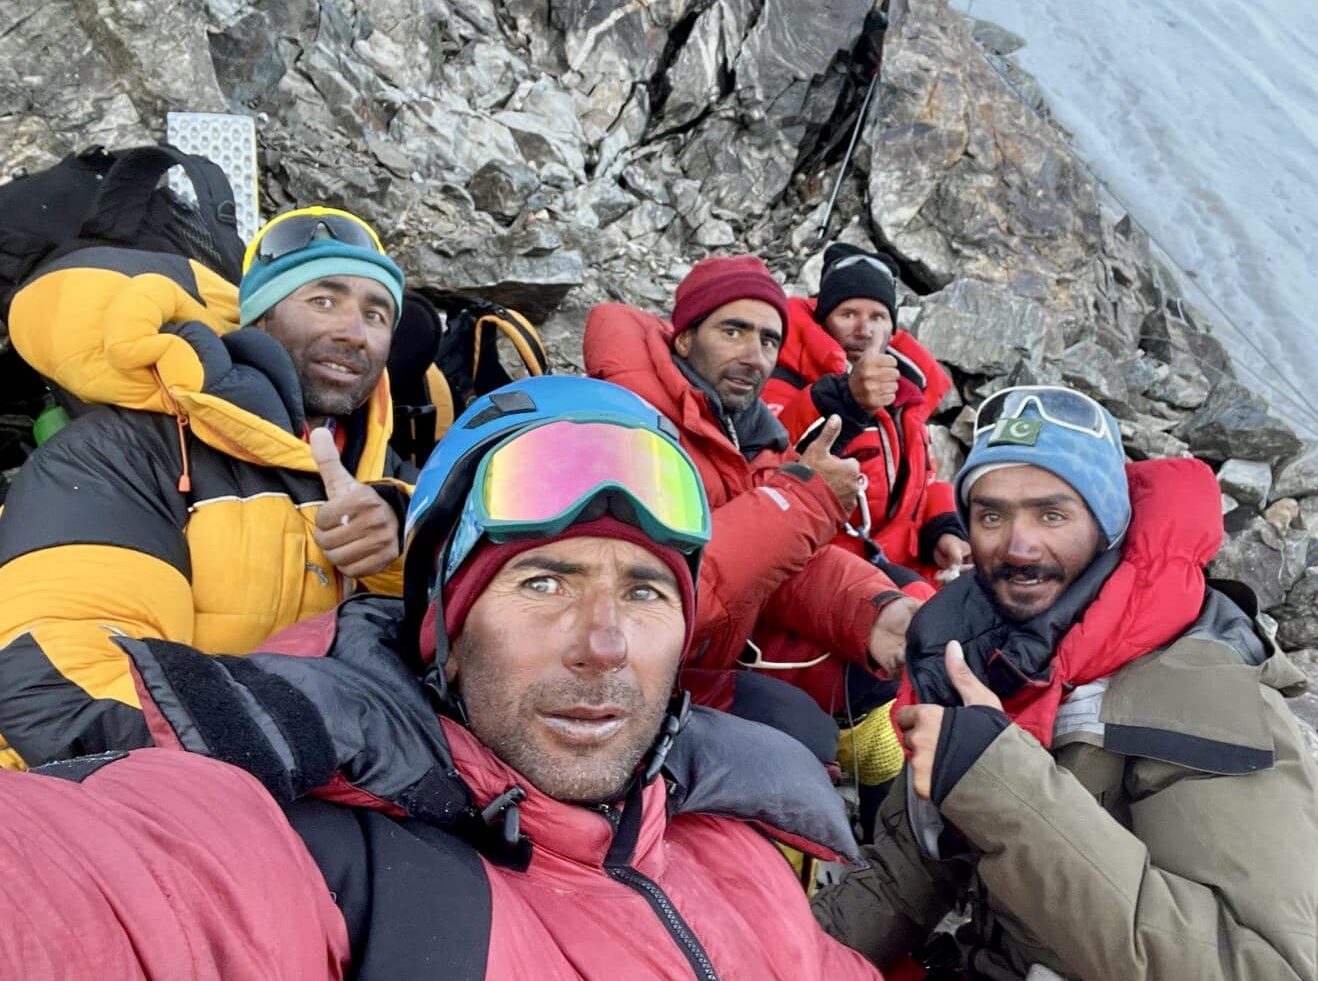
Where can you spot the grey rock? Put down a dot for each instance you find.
(963, 428)
(1146, 438)
(1089, 367)
(1183, 389)
(605, 201)
(1229, 504)
(542, 140)
(1263, 560)
(1309, 514)
(502, 187)
(997, 39)
(695, 78)
(947, 452)
(985, 329)
(1298, 476)
(1248, 481)
(1140, 372)
(1298, 618)
(1172, 334)
(965, 181)
(533, 284)
(1234, 422)
(451, 138)
(1283, 514)
(714, 233)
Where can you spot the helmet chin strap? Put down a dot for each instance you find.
(443, 696)
(679, 710)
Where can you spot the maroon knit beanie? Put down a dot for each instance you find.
(467, 584)
(724, 279)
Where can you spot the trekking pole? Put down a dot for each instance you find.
(846, 159)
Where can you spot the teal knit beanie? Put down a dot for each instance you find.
(265, 284)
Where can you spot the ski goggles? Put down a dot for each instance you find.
(541, 480)
(296, 230)
(1059, 406)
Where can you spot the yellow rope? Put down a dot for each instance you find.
(871, 748)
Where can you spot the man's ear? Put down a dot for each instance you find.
(682, 342)
(454, 661)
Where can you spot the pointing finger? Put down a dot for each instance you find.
(338, 481)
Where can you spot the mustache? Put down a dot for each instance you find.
(601, 691)
(351, 357)
(1037, 570)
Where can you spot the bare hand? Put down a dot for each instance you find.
(873, 380)
(922, 724)
(842, 475)
(887, 646)
(952, 552)
(355, 527)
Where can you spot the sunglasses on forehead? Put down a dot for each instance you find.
(1060, 406)
(861, 260)
(285, 235)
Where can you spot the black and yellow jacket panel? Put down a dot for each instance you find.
(183, 507)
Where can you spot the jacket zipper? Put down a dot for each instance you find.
(670, 917)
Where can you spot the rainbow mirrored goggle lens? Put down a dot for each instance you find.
(1060, 406)
(541, 480)
(284, 235)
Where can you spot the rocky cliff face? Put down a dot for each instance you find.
(553, 155)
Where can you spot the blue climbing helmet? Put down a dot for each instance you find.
(536, 456)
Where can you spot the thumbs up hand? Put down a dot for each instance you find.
(874, 379)
(355, 527)
(922, 725)
(842, 475)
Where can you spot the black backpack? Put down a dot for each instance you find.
(438, 364)
(103, 197)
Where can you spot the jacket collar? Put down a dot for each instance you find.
(752, 430)
(567, 840)
(719, 764)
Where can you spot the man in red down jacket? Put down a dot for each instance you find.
(769, 573)
(845, 356)
(564, 816)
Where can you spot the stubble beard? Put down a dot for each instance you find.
(508, 726)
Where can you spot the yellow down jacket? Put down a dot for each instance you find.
(182, 507)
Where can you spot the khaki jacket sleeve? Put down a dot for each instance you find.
(1216, 880)
(889, 906)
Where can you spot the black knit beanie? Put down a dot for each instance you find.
(850, 272)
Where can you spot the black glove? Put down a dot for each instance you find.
(357, 719)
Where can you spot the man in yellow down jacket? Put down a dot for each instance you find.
(231, 482)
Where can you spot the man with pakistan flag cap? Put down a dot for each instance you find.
(1102, 768)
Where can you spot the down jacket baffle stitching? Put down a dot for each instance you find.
(98, 539)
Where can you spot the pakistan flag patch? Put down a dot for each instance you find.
(1016, 432)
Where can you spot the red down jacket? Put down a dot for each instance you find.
(768, 570)
(165, 864)
(904, 496)
(157, 864)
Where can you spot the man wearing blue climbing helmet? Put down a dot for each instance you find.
(557, 807)
(554, 539)
(318, 281)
